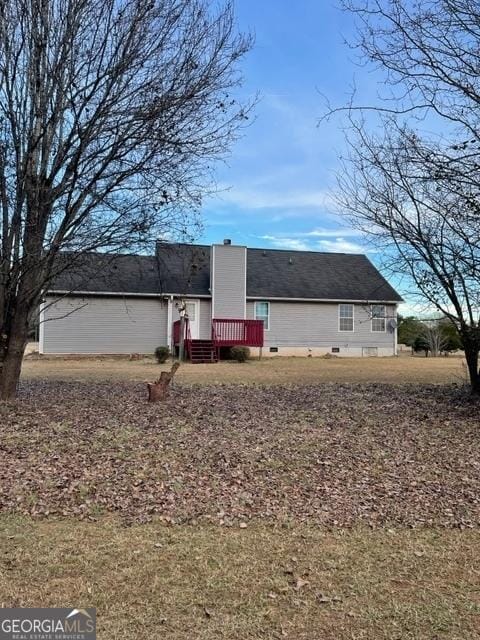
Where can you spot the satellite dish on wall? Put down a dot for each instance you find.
(392, 324)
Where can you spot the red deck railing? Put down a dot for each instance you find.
(226, 332)
(229, 332)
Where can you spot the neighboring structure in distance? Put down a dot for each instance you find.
(290, 302)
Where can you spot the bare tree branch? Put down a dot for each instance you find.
(112, 114)
(415, 191)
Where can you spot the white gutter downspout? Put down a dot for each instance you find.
(169, 322)
(395, 332)
(41, 328)
(212, 279)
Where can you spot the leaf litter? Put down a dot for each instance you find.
(334, 454)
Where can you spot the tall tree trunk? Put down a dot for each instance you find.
(11, 365)
(471, 356)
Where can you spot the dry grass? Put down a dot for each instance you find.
(152, 581)
(267, 371)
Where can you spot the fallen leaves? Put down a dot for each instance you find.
(300, 583)
(333, 454)
(323, 599)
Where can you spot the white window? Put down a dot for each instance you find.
(378, 317)
(345, 317)
(262, 312)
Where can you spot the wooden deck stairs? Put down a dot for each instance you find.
(202, 351)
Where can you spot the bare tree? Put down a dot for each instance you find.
(411, 179)
(434, 339)
(111, 115)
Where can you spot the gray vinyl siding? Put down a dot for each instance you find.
(104, 325)
(315, 324)
(228, 281)
(115, 325)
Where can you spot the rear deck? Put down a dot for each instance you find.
(225, 332)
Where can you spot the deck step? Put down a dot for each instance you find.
(202, 351)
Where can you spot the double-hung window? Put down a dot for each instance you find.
(262, 312)
(345, 317)
(378, 318)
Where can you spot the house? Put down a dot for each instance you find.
(278, 301)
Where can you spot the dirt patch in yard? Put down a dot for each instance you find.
(330, 454)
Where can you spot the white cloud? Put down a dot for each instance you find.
(287, 243)
(320, 232)
(264, 198)
(338, 239)
(334, 241)
(340, 245)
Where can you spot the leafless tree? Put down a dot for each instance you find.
(112, 113)
(411, 178)
(434, 338)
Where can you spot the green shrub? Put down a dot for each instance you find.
(162, 354)
(240, 354)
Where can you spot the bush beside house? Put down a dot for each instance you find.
(240, 354)
(162, 354)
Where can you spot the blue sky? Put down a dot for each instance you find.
(276, 188)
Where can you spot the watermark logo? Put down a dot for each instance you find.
(48, 624)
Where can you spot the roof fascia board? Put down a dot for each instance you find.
(350, 300)
(65, 292)
(122, 294)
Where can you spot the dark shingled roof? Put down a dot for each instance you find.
(101, 272)
(310, 274)
(271, 273)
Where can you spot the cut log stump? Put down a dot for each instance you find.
(158, 390)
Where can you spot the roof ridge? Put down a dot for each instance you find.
(182, 244)
(111, 255)
(323, 253)
(208, 246)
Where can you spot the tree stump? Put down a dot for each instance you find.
(158, 390)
